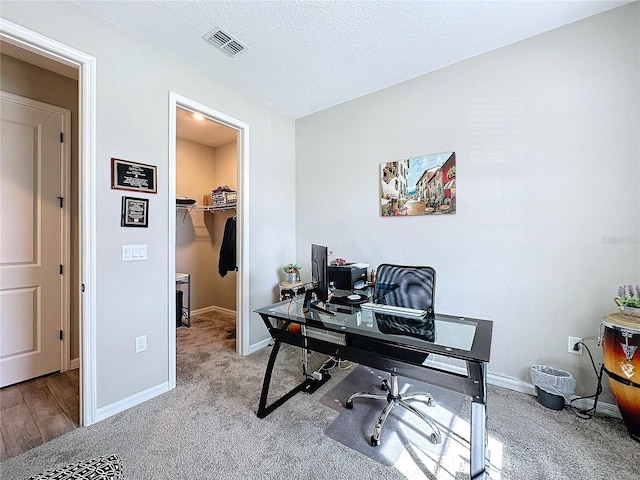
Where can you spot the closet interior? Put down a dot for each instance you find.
(206, 199)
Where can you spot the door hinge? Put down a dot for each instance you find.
(61, 269)
(82, 288)
(61, 137)
(61, 199)
(60, 334)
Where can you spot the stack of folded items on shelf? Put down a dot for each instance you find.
(223, 196)
(184, 200)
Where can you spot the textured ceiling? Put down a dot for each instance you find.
(305, 56)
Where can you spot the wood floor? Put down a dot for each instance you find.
(35, 411)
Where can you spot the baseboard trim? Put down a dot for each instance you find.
(74, 364)
(511, 384)
(608, 409)
(132, 401)
(213, 308)
(603, 408)
(260, 345)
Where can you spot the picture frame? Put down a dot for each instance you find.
(424, 185)
(133, 176)
(135, 212)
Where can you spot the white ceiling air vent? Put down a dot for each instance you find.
(224, 41)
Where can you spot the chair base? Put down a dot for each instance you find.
(394, 399)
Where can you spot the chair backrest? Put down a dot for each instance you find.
(406, 286)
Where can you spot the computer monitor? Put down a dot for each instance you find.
(319, 275)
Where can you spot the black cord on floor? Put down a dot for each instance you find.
(587, 413)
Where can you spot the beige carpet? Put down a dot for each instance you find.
(206, 428)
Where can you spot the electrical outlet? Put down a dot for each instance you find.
(572, 347)
(141, 343)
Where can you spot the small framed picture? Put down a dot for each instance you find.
(135, 212)
(133, 176)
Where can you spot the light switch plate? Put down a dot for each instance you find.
(132, 253)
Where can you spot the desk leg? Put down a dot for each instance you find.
(262, 410)
(307, 385)
(479, 433)
(478, 441)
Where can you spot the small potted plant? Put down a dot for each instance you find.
(628, 300)
(292, 271)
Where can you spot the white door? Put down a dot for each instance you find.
(31, 247)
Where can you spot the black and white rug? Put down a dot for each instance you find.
(403, 431)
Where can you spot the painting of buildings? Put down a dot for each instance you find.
(423, 185)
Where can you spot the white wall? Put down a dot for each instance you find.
(548, 157)
(133, 84)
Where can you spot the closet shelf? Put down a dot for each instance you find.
(205, 208)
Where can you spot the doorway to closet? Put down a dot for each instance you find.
(208, 163)
(206, 216)
(212, 223)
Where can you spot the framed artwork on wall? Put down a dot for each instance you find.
(135, 212)
(424, 185)
(133, 176)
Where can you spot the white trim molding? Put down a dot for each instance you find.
(458, 366)
(608, 409)
(260, 345)
(74, 364)
(126, 403)
(86, 65)
(213, 308)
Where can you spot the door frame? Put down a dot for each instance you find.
(242, 232)
(86, 66)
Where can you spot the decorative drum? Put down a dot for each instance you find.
(620, 343)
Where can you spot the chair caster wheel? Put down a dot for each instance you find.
(348, 405)
(374, 442)
(435, 439)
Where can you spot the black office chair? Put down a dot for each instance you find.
(412, 287)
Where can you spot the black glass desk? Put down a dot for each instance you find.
(392, 343)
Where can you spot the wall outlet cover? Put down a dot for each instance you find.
(141, 343)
